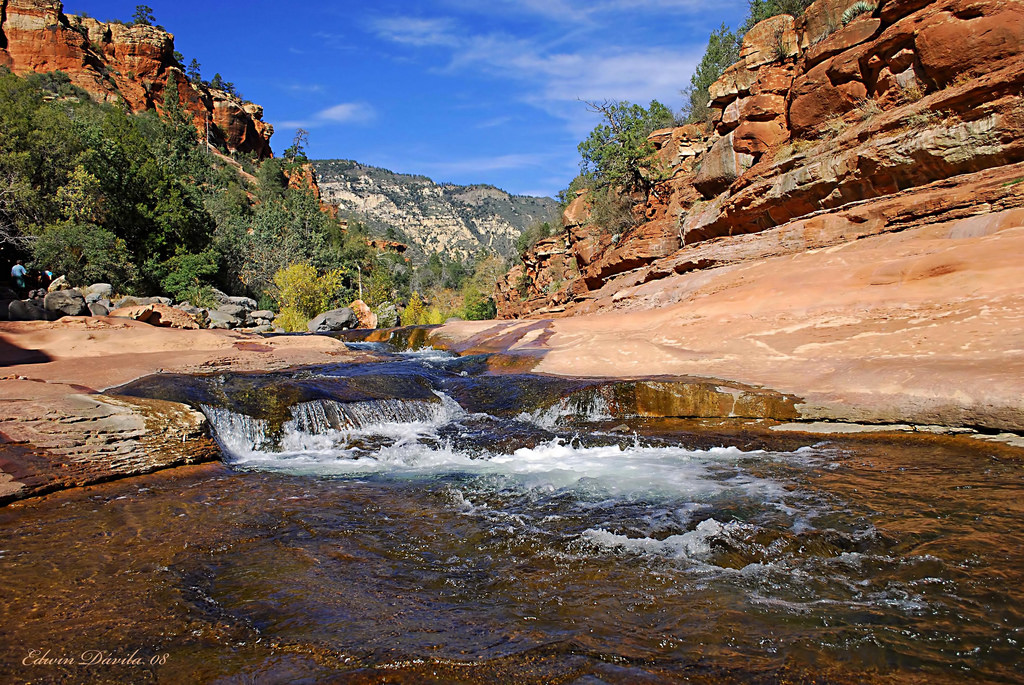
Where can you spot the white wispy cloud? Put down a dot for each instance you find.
(554, 80)
(481, 164)
(583, 11)
(416, 31)
(495, 122)
(342, 113)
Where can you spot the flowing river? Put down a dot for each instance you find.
(420, 520)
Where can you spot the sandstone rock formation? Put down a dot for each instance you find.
(133, 63)
(819, 135)
(157, 315)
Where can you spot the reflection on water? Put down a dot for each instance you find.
(384, 543)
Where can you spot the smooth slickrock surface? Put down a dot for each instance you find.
(922, 326)
(61, 427)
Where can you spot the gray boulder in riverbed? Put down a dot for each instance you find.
(97, 292)
(219, 319)
(334, 320)
(235, 310)
(96, 309)
(26, 310)
(65, 303)
(132, 301)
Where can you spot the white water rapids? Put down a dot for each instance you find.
(672, 488)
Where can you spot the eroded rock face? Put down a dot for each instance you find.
(367, 319)
(157, 314)
(75, 440)
(113, 62)
(815, 119)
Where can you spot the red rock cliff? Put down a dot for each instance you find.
(115, 62)
(911, 114)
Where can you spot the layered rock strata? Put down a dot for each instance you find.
(127, 63)
(888, 122)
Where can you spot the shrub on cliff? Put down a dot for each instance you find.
(534, 232)
(617, 153)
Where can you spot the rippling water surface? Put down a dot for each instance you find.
(415, 539)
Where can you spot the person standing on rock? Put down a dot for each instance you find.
(18, 276)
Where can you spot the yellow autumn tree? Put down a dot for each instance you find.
(303, 294)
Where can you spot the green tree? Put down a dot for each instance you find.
(194, 72)
(143, 16)
(79, 198)
(617, 152)
(187, 275)
(723, 51)
(84, 253)
(296, 152)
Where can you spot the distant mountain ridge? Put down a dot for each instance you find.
(455, 221)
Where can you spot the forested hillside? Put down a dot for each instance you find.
(450, 220)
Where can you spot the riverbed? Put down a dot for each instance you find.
(420, 520)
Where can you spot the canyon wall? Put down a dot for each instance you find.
(452, 220)
(128, 63)
(909, 115)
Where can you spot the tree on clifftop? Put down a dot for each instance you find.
(616, 152)
(143, 16)
(722, 52)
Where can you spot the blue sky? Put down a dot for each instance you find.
(457, 90)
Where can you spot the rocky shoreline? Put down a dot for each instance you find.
(63, 426)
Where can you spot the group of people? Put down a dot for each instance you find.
(23, 281)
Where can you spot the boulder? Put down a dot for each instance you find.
(96, 309)
(720, 167)
(157, 314)
(222, 298)
(246, 303)
(367, 319)
(59, 283)
(219, 319)
(65, 303)
(578, 211)
(133, 301)
(335, 320)
(98, 291)
(26, 310)
(230, 309)
(263, 315)
(5, 304)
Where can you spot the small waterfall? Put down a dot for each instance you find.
(330, 426)
(321, 416)
(237, 433)
(584, 406)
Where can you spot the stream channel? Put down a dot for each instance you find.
(419, 519)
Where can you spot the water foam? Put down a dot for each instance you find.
(693, 544)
